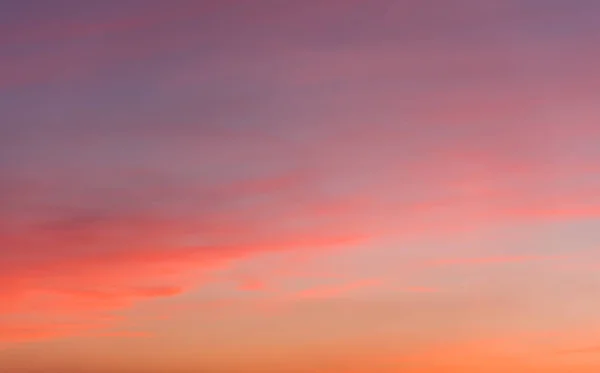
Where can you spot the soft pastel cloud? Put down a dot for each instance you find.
(333, 291)
(494, 260)
(92, 258)
(583, 350)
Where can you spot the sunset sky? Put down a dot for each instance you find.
(299, 186)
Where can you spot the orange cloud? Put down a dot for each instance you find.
(584, 350)
(25, 332)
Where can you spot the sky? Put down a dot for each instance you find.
(315, 186)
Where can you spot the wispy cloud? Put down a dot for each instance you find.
(143, 148)
(334, 291)
(496, 260)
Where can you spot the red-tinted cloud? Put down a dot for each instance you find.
(85, 262)
(99, 253)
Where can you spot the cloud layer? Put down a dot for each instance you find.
(150, 150)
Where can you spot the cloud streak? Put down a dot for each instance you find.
(334, 291)
(88, 261)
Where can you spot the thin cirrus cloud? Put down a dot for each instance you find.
(81, 254)
(333, 291)
(77, 261)
(494, 260)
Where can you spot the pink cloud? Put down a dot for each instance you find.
(88, 240)
(253, 284)
(495, 260)
(96, 260)
(85, 264)
(420, 289)
(334, 291)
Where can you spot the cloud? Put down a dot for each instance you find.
(253, 284)
(420, 289)
(138, 153)
(584, 350)
(334, 291)
(495, 260)
(108, 253)
(87, 241)
(125, 334)
(40, 331)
